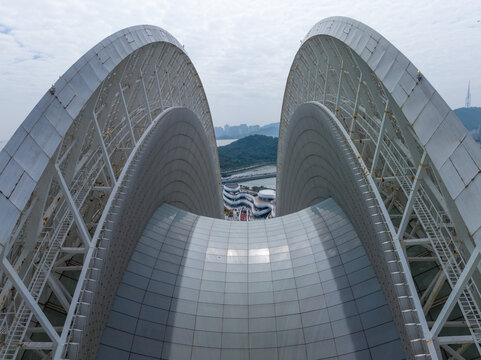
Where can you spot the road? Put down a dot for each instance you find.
(238, 179)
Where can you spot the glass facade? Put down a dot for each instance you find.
(294, 287)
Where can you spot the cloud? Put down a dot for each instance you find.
(242, 50)
(5, 29)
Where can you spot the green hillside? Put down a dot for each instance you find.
(470, 117)
(251, 150)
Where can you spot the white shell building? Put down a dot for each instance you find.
(112, 244)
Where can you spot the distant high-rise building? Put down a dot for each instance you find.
(219, 131)
(254, 128)
(243, 129)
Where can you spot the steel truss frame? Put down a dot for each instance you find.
(425, 224)
(55, 240)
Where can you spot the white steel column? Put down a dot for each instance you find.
(158, 88)
(460, 339)
(129, 122)
(354, 112)
(453, 352)
(38, 345)
(308, 84)
(468, 271)
(379, 139)
(56, 287)
(421, 242)
(431, 285)
(434, 292)
(170, 89)
(339, 86)
(325, 84)
(30, 301)
(145, 96)
(105, 153)
(412, 197)
(82, 228)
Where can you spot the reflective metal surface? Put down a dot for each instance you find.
(296, 287)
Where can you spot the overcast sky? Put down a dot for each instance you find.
(242, 49)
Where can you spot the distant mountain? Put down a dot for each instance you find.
(250, 150)
(242, 130)
(471, 118)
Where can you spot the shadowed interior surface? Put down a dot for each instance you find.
(295, 287)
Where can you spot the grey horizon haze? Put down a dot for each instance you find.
(242, 50)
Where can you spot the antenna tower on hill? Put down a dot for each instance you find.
(468, 96)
